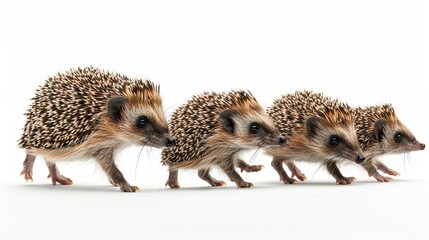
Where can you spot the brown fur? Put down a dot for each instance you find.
(365, 120)
(203, 141)
(292, 113)
(70, 118)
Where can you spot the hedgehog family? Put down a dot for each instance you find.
(211, 129)
(90, 113)
(379, 132)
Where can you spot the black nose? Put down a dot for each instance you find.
(422, 146)
(282, 140)
(360, 159)
(170, 142)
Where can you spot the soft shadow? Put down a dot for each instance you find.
(203, 188)
(79, 188)
(276, 184)
(257, 186)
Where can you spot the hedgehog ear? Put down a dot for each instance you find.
(115, 107)
(312, 125)
(226, 120)
(379, 127)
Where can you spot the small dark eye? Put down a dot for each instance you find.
(334, 141)
(398, 137)
(142, 122)
(254, 128)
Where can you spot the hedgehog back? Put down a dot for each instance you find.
(290, 111)
(68, 107)
(365, 119)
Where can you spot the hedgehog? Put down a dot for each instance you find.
(90, 113)
(211, 129)
(380, 132)
(318, 129)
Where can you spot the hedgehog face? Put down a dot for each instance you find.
(335, 142)
(139, 123)
(394, 137)
(250, 130)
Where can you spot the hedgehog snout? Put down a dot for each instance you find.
(170, 142)
(282, 140)
(416, 146)
(360, 159)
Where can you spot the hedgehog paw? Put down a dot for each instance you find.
(28, 174)
(244, 184)
(217, 183)
(128, 188)
(58, 178)
(385, 169)
(252, 168)
(391, 172)
(345, 180)
(289, 180)
(297, 173)
(172, 185)
(27, 171)
(382, 178)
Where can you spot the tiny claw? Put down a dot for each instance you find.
(128, 188)
(172, 185)
(27, 176)
(298, 174)
(245, 185)
(394, 173)
(383, 179)
(346, 180)
(60, 179)
(218, 184)
(28, 179)
(289, 181)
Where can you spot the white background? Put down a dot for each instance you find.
(363, 52)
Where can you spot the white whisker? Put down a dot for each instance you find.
(138, 160)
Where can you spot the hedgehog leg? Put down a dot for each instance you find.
(234, 176)
(55, 175)
(246, 167)
(380, 166)
(172, 181)
(372, 172)
(277, 164)
(295, 171)
(204, 173)
(106, 161)
(27, 170)
(335, 172)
